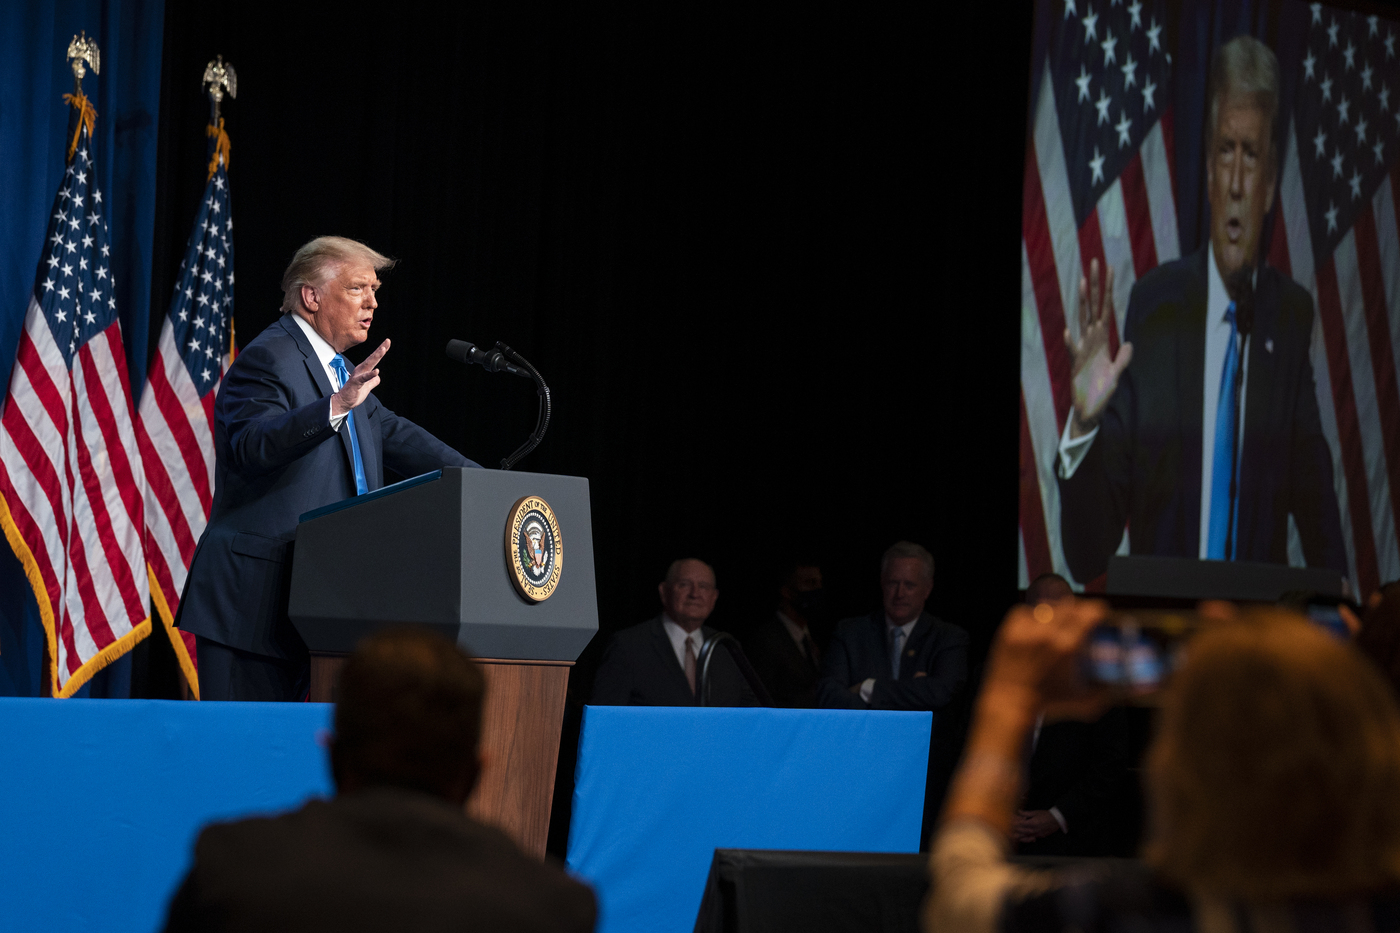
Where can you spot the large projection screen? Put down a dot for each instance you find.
(1283, 166)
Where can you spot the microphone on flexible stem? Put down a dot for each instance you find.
(502, 359)
(493, 361)
(1240, 286)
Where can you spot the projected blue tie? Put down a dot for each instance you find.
(343, 373)
(896, 646)
(1225, 431)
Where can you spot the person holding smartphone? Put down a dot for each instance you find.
(1273, 783)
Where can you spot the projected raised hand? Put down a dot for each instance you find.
(1095, 370)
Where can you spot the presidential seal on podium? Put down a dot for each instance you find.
(534, 549)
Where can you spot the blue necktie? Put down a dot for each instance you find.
(343, 373)
(1225, 432)
(896, 646)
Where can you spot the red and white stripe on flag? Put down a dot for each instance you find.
(1132, 229)
(1356, 331)
(175, 432)
(175, 425)
(70, 498)
(71, 482)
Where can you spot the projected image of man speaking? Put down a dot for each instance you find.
(1212, 383)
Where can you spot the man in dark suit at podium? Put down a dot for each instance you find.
(656, 663)
(394, 850)
(899, 657)
(783, 652)
(294, 429)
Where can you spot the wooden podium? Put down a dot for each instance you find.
(441, 561)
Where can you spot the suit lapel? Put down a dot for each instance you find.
(792, 649)
(1260, 379)
(369, 450)
(915, 643)
(323, 383)
(881, 637)
(1190, 391)
(669, 662)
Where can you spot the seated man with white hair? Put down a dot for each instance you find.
(296, 427)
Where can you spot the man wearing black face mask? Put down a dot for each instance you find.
(782, 649)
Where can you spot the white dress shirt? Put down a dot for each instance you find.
(679, 636)
(795, 631)
(325, 353)
(867, 686)
(1073, 451)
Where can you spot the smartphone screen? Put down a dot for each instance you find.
(1137, 652)
(1330, 618)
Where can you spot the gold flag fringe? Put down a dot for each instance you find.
(87, 117)
(221, 147)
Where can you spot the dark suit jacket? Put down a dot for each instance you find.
(381, 859)
(275, 458)
(790, 678)
(640, 668)
(931, 672)
(1144, 467)
(1079, 768)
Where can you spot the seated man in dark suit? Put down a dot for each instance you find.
(782, 649)
(1076, 772)
(394, 850)
(656, 663)
(899, 657)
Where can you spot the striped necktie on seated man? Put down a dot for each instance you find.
(896, 647)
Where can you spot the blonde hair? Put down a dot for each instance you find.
(1276, 770)
(317, 261)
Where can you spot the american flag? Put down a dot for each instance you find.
(1335, 233)
(1098, 185)
(175, 426)
(70, 477)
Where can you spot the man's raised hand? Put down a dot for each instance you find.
(360, 384)
(1094, 372)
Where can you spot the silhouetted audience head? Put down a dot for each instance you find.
(408, 715)
(688, 593)
(906, 580)
(1276, 770)
(1047, 588)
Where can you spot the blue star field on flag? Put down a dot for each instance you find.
(74, 285)
(1110, 72)
(201, 309)
(1348, 118)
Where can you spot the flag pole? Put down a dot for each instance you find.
(189, 365)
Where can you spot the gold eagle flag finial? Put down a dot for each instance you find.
(218, 78)
(80, 50)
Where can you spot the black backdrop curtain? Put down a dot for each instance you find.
(766, 258)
